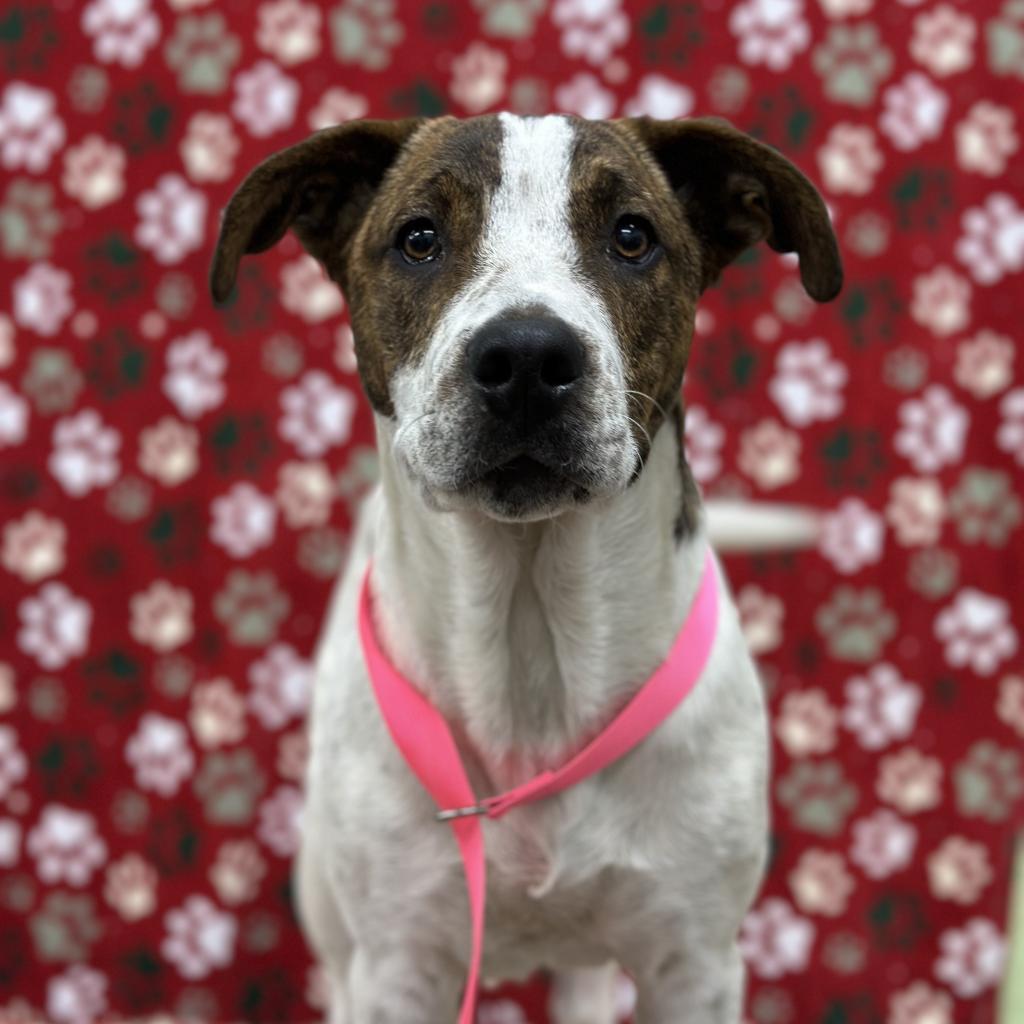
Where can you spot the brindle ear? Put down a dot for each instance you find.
(319, 187)
(738, 191)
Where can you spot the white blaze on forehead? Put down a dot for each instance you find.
(528, 248)
(528, 222)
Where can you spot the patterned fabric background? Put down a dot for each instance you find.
(178, 482)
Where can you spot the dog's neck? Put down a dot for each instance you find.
(528, 638)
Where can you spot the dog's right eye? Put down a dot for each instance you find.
(418, 241)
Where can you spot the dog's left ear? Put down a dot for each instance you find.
(737, 191)
(320, 188)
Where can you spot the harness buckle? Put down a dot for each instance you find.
(460, 812)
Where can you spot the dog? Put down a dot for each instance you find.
(522, 295)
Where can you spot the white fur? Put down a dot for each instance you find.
(528, 637)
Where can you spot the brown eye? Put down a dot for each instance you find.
(633, 237)
(418, 241)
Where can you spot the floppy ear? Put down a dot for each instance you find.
(319, 187)
(737, 192)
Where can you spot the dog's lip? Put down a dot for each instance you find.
(542, 463)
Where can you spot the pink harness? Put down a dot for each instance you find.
(422, 735)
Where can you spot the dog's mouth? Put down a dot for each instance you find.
(506, 476)
(530, 486)
(521, 471)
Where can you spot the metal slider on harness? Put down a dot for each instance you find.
(461, 812)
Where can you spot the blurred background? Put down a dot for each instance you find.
(177, 483)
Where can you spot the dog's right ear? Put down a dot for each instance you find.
(320, 188)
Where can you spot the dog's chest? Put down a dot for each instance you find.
(565, 928)
(547, 905)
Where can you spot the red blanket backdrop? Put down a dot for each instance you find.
(178, 482)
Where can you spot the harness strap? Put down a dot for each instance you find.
(422, 735)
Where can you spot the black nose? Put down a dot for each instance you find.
(526, 367)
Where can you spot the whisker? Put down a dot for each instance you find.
(412, 423)
(650, 443)
(654, 402)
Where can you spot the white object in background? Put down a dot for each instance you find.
(737, 525)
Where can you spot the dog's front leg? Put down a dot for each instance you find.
(403, 985)
(698, 986)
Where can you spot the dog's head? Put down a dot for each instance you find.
(522, 290)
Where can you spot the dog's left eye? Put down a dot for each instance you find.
(418, 241)
(633, 237)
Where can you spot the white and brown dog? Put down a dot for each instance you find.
(522, 293)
